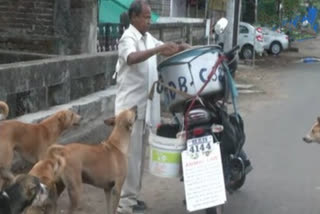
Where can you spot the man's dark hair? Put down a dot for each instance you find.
(136, 7)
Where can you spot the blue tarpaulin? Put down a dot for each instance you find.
(311, 17)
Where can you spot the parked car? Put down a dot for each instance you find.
(248, 37)
(274, 42)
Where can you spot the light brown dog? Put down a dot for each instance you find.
(4, 110)
(32, 140)
(314, 134)
(48, 171)
(103, 165)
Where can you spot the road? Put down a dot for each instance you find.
(286, 175)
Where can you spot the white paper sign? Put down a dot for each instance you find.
(203, 179)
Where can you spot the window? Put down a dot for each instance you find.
(243, 29)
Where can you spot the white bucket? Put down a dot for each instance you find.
(165, 156)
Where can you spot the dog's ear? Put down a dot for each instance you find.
(110, 121)
(61, 116)
(318, 119)
(32, 185)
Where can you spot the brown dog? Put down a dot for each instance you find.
(4, 110)
(32, 140)
(48, 171)
(314, 134)
(103, 165)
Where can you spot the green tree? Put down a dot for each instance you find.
(290, 8)
(267, 12)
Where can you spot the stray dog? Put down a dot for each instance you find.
(103, 165)
(32, 140)
(4, 109)
(48, 171)
(21, 194)
(314, 134)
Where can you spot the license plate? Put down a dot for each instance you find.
(203, 178)
(200, 144)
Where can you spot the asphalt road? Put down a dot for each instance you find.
(286, 176)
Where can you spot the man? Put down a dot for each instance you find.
(136, 70)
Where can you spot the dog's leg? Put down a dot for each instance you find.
(115, 196)
(60, 187)
(73, 181)
(111, 195)
(112, 198)
(6, 177)
(108, 195)
(51, 207)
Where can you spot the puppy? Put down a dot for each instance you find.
(48, 171)
(314, 134)
(19, 195)
(103, 165)
(32, 140)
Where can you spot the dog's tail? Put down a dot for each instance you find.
(4, 110)
(56, 153)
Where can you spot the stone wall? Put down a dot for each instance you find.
(19, 56)
(192, 33)
(36, 85)
(161, 7)
(48, 26)
(22, 23)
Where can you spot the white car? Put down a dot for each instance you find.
(274, 42)
(248, 37)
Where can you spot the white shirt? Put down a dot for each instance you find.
(134, 81)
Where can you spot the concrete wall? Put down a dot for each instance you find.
(192, 33)
(161, 7)
(36, 85)
(19, 56)
(48, 26)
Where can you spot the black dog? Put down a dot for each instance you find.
(19, 195)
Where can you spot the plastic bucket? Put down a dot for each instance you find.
(165, 156)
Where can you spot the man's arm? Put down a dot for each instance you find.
(180, 47)
(167, 49)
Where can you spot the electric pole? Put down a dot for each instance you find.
(233, 16)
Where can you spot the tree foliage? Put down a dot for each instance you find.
(290, 8)
(269, 10)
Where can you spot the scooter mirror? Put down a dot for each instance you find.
(220, 26)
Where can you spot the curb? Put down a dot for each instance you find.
(310, 60)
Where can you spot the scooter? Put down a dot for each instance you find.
(207, 127)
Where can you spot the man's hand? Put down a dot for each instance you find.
(184, 46)
(168, 49)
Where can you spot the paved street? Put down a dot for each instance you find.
(286, 178)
